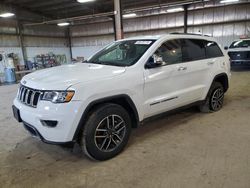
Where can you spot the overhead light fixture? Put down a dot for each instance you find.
(63, 24)
(228, 1)
(131, 15)
(6, 15)
(84, 1)
(177, 9)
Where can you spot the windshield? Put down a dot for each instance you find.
(122, 53)
(240, 44)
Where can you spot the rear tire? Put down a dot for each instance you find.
(214, 100)
(106, 132)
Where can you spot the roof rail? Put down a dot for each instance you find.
(177, 33)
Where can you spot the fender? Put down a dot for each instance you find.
(118, 99)
(224, 82)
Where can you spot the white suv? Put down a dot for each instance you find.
(96, 103)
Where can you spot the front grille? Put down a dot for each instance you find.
(29, 96)
(245, 55)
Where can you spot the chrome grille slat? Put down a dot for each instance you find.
(23, 96)
(21, 93)
(28, 96)
(18, 95)
(32, 98)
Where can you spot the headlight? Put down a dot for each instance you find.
(58, 96)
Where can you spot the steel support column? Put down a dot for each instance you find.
(118, 20)
(21, 43)
(185, 18)
(69, 42)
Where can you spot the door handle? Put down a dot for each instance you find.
(182, 68)
(210, 63)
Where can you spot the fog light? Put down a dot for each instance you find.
(48, 123)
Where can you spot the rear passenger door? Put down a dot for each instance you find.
(215, 61)
(197, 73)
(214, 54)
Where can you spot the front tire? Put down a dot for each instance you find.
(214, 100)
(106, 132)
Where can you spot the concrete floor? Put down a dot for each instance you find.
(188, 149)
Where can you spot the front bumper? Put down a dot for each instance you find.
(67, 115)
(35, 133)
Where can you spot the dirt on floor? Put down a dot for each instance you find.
(187, 149)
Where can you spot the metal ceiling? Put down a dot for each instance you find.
(60, 9)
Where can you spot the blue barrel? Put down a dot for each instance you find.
(10, 75)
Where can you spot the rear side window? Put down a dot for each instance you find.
(193, 49)
(212, 49)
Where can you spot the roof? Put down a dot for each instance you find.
(60, 9)
(146, 37)
(175, 35)
(241, 39)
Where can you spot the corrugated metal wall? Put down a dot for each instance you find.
(37, 40)
(226, 23)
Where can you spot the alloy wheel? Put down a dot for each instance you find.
(110, 133)
(217, 99)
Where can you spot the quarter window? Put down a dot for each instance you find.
(212, 50)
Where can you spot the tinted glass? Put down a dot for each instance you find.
(212, 50)
(240, 44)
(122, 53)
(170, 52)
(193, 49)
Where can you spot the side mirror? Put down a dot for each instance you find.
(154, 61)
(226, 47)
(158, 60)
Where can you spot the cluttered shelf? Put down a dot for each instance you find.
(11, 70)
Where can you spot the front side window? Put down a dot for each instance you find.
(122, 53)
(170, 52)
(193, 49)
(240, 44)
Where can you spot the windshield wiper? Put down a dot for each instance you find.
(92, 62)
(112, 64)
(104, 63)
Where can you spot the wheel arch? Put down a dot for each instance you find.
(223, 79)
(124, 100)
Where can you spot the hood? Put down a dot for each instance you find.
(62, 77)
